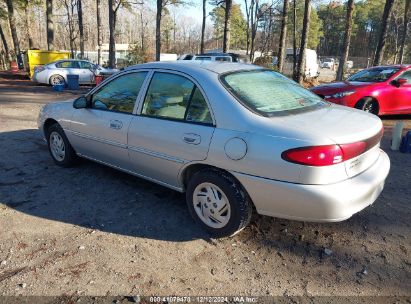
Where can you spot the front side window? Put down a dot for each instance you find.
(120, 94)
(175, 97)
(269, 93)
(86, 65)
(374, 75)
(68, 65)
(406, 75)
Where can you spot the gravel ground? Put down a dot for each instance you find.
(91, 230)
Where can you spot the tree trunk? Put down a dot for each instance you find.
(379, 54)
(80, 27)
(158, 28)
(227, 25)
(346, 43)
(247, 11)
(404, 31)
(301, 58)
(203, 28)
(13, 27)
(112, 41)
(50, 25)
(27, 21)
(5, 45)
(294, 38)
(252, 30)
(283, 37)
(99, 30)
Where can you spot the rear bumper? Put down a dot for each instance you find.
(317, 203)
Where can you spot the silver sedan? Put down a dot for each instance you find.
(233, 137)
(56, 72)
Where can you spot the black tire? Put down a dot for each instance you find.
(240, 204)
(368, 105)
(56, 79)
(70, 157)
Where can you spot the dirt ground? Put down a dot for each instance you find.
(91, 230)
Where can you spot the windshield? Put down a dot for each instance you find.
(268, 92)
(374, 75)
(328, 60)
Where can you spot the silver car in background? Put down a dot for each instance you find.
(231, 136)
(56, 72)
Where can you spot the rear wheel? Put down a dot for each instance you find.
(218, 203)
(368, 105)
(57, 79)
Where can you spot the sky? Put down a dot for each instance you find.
(196, 9)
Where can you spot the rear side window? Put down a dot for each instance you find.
(175, 97)
(269, 93)
(223, 59)
(120, 94)
(86, 65)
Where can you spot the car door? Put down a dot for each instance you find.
(75, 68)
(86, 75)
(174, 127)
(63, 68)
(100, 130)
(402, 94)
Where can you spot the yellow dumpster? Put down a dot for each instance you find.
(41, 57)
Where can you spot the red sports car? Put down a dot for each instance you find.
(379, 90)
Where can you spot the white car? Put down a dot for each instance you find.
(56, 72)
(231, 136)
(328, 63)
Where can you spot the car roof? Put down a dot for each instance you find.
(196, 66)
(69, 59)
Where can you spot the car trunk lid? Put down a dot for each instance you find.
(356, 132)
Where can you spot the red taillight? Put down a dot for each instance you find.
(354, 149)
(39, 68)
(314, 156)
(331, 154)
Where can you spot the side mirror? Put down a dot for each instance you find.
(399, 82)
(80, 103)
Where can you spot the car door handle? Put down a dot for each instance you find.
(116, 124)
(191, 138)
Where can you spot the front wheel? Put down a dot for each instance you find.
(60, 148)
(368, 105)
(218, 203)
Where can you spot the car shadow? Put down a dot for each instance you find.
(89, 195)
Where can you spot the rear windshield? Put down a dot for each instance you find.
(269, 93)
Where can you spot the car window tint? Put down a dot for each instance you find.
(268, 92)
(167, 96)
(378, 74)
(406, 75)
(170, 95)
(198, 110)
(120, 94)
(67, 64)
(203, 58)
(85, 65)
(223, 59)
